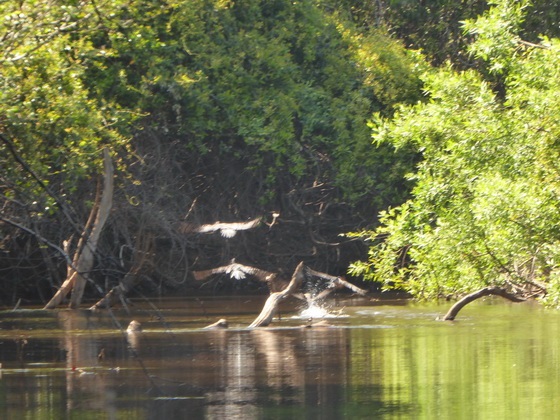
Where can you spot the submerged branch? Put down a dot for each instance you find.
(452, 313)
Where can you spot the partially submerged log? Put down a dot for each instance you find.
(133, 334)
(271, 304)
(134, 327)
(219, 324)
(318, 324)
(497, 291)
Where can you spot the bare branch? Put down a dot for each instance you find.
(337, 282)
(452, 313)
(40, 238)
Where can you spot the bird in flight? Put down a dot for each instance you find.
(274, 281)
(236, 271)
(227, 230)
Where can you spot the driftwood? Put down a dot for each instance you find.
(220, 324)
(87, 245)
(452, 313)
(134, 327)
(271, 304)
(318, 324)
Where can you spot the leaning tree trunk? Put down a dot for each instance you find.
(84, 256)
(452, 313)
(142, 257)
(271, 304)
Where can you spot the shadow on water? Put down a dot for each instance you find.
(372, 360)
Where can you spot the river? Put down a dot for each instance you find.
(382, 359)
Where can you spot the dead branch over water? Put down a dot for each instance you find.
(497, 291)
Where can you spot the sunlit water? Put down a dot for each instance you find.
(389, 360)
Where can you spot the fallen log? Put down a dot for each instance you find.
(452, 313)
(271, 305)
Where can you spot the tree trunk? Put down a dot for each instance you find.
(117, 292)
(452, 313)
(271, 304)
(84, 256)
(141, 259)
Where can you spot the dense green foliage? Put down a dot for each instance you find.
(212, 109)
(484, 207)
(46, 108)
(276, 84)
(277, 80)
(224, 110)
(436, 26)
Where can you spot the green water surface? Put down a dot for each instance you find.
(377, 359)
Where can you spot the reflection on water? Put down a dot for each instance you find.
(380, 360)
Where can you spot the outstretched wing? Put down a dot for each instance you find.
(237, 271)
(227, 230)
(261, 275)
(204, 274)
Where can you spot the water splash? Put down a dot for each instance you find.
(317, 311)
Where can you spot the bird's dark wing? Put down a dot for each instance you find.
(261, 275)
(203, 274)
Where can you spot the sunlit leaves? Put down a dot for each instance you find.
(282, 82)
(47, 109)
(496, 33)
(485, 206)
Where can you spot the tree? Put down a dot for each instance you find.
(484, 210)
(52, 129)
(212, 110)
(436, 27)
